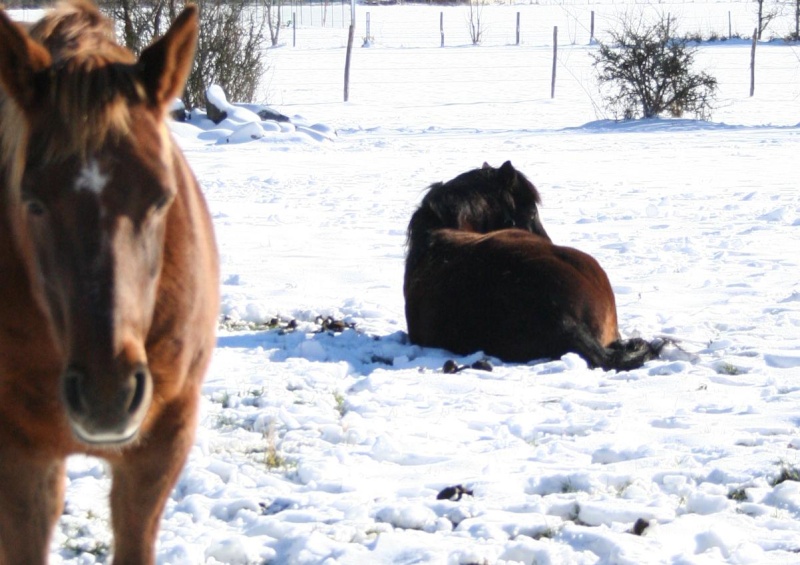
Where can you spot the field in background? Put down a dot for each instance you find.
(516, 78)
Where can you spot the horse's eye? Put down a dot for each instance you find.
(35, 207)
(161, 202)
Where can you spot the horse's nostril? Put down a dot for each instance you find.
(139, 388)
(72, 390)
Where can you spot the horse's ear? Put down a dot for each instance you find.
(165, 65)
(508, 172)
(20, 59)
(486, 165)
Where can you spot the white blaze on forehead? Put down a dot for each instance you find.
(91, 178)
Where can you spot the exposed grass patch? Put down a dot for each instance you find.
(737, 494)
(341, 407)
(786, 472)
(725, 368)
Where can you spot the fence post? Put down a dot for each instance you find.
(591, 30)
(730, 34)
(294, 29)
(441, 26)
(349, 50)
(753, 63)
(555, 56)
(517, 28)
(367, 38)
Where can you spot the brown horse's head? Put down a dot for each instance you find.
(90, 180)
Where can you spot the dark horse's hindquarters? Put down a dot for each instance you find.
(473, 283)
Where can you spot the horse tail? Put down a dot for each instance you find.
(620, 355)
(633, 353)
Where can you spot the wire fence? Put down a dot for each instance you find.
(531, 24)
(519, 56)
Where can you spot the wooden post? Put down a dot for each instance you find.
(753, 63)
(367, 39)
(350, 35)
(555, 57)
(591, 29)
(796, 20)
(441, 26)
(347, 62)
(730, 33)
(294, 29)
(517, 28)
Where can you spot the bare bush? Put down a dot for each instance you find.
(230, 49)
(273, 8)
(645, 71)
(765, 14)
(474, 20)
(140, 21)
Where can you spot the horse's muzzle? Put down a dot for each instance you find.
(107, 413)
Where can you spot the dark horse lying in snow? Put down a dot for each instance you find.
(482, 274)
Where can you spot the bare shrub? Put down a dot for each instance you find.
(274, 19)
(645, 71)
(140, 21)
(230, 49)
(475, 21)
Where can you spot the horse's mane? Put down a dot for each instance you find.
(468, 201)
(86, 92)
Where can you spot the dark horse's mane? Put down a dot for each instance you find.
(472, 201)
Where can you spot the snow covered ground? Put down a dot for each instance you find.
(330, 447)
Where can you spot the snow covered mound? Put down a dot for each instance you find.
(243, 125)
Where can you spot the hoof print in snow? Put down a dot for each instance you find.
(453, 493)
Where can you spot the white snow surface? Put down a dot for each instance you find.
(322, 447)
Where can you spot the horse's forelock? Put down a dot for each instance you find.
(72, 26)
(88, 90)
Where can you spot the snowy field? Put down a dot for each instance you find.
(330, 447)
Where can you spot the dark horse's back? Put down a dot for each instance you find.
(511, 292)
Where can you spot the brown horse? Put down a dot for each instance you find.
(108, 275)
(482, 274)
